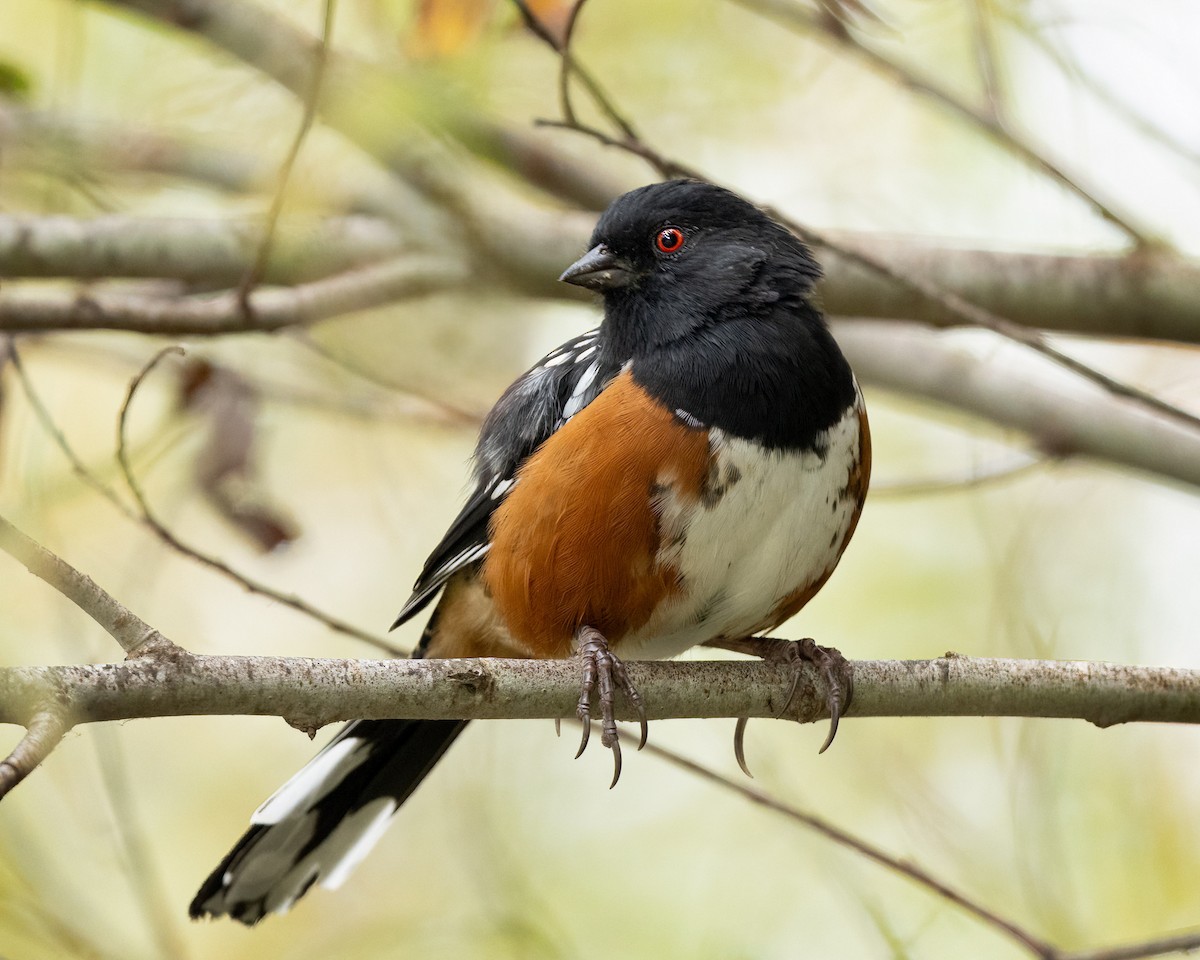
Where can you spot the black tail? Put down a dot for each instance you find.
(324, 820)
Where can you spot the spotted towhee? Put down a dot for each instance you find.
(690, 472)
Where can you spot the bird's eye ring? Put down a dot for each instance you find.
(668, 240)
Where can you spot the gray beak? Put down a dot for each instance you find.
(599, 269)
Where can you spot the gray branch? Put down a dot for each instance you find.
(1143, 295)
(193, 252)
(313, 692)
(1147, 295)
(131, 632)
(1061, 414)
(271, 309)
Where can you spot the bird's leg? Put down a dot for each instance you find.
(834, 669)
(602, 671)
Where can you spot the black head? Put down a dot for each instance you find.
(673, 257)
(710, 300)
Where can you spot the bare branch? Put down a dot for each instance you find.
(29, 136)
(272, 309)
(1183, 943)
(1063, 416)
(124, 626)
(45, 731)
(258, 268)
(314, 692)
(190, 251)
(1035, 945)
(571, 65)
(905, 868)
(1148, 296)
(1145, 296)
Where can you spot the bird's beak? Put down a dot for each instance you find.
(599, 269)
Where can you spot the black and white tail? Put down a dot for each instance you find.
(324, 820)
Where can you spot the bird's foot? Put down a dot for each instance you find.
(603, 672)
(835, 671)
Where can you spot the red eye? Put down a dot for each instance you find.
(669, 240)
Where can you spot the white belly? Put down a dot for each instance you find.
(778, 524)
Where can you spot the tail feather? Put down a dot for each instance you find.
(324, 820)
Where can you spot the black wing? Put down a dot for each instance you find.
(540, 401)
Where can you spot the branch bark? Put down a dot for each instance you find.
(270, 309)
(312, 692)
(129, 630)
(190, 251)
(1063, 415)
(1146, 296)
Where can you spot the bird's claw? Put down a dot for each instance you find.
(603, 672)
(835, 671)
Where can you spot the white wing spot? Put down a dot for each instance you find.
(502, 487)
(575, 402)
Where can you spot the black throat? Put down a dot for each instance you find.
(777, 377)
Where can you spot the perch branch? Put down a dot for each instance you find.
(314, 692)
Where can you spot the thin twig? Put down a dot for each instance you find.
(52, 429)
(797, 18)
(906, 868)
(984, 37)
(167, 536)
(998, 472)
(564, 70)
(43, 734)
(449, 410)
(1182, 943)
(320, 58)
(602, 99)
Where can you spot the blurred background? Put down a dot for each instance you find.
(324, 462)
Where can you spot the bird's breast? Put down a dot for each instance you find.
(761, 540)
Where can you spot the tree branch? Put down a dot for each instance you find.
(190, 251)
(45, 731)
(121, 623)
(272, 309)
(313, 692)
(1147, 296)
(1063, 415)
(1034, 945)
(258, 269)
(72, 144)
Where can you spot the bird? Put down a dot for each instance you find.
(689, 472)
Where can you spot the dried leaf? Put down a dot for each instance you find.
(225, 468)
